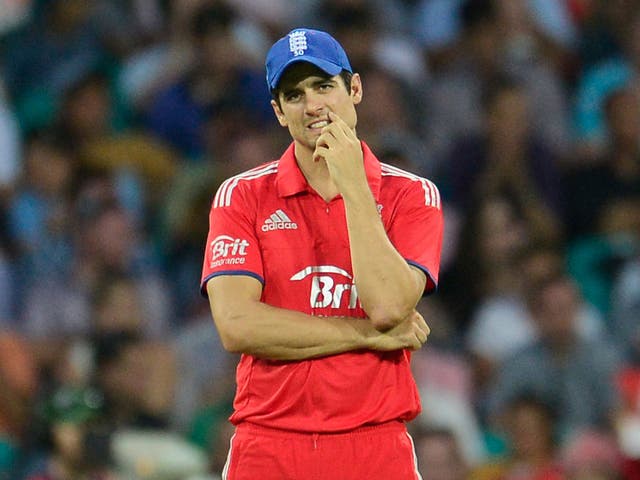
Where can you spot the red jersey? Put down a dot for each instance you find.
(268, 223)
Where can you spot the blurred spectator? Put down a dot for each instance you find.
(624, 324)
(602, 27)
(595, 262)
(108, 243)
(211, 430)
(205, 371)
(389, 16)
(19, 385)
(605, 197)
(160, 54)
(116, 306)
(454, 97)
(392, 119)
(616, 71)
(591, 455)
(507, 158)
(85, 121)
(503, 323)
(77, 444)
(39, 214)
(574, 376)
(445, 381)
(437, 23)
(137, 379)
(43, 58)
(178, 113)
(491, 237)
(10, 167)
(232, 147)
(439, 456)
(529, 426)
(603, 204)
(625, 328)
(540, 28)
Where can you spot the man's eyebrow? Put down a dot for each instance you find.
(289, 90)
(319, 81)
(323, 80)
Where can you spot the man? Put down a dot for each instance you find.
(313, 267)
(571, 373)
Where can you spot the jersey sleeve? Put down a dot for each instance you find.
(232, 246)
(416, 228)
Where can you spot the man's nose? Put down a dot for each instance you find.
(315, 104)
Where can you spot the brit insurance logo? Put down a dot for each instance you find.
(327, 288)
(226, 250)
(278, 220)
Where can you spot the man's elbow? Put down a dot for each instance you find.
(233, 342)
(233, 339)
(386, 318)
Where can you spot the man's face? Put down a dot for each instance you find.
(307, 96)
(556, 311)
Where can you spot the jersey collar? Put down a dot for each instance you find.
(291, 181)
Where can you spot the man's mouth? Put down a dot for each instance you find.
(319, 124)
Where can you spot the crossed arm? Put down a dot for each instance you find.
(388, 287)
(247, 325)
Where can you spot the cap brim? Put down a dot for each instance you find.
(327, 67)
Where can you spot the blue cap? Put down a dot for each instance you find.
(305, 45)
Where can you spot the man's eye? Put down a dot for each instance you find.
(325, 86)
(292, 97)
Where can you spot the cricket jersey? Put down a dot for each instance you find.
(268, 223)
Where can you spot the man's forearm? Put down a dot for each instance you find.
(280, 334)
(249, 326)
(388, 288)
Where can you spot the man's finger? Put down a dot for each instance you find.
(320, 152)
(340, 124)
(329, 131)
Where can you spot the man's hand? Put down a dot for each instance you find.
(342, 152)
(411, 333)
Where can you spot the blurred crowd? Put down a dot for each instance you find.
(119, 119)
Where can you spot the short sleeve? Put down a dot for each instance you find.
(416, 228)
(232, 246)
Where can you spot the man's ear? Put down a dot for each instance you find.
(279, 115)
(356, 88)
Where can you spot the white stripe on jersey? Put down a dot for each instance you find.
(283, 216)
(223, 196)
(431, 193)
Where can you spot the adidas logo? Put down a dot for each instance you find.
(278, 221)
